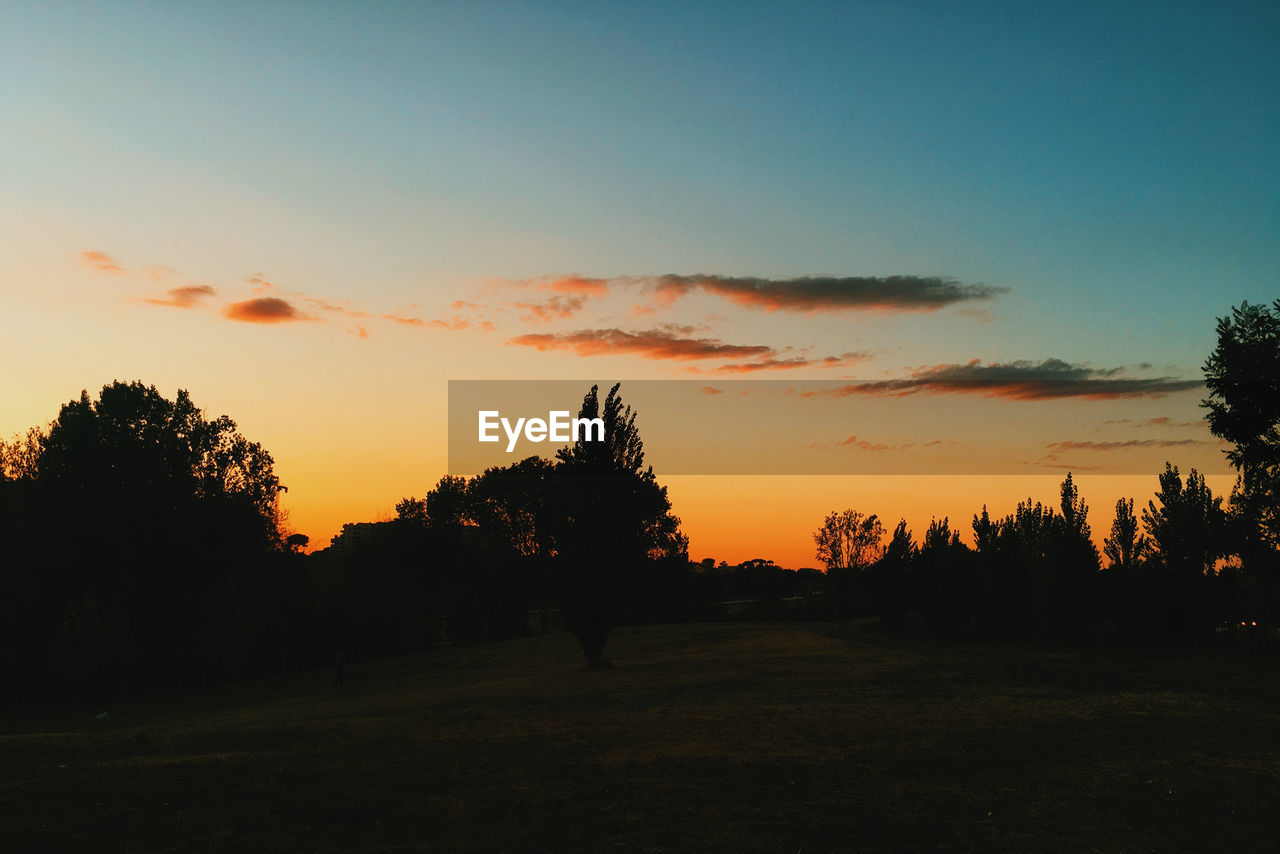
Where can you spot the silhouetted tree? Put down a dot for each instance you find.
(1186, 526)
(615, 522)
(1125, 548)
(848, 540)
(142, 544)
(1243, 378)
(1185, 523)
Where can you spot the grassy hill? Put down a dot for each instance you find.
(722, 737)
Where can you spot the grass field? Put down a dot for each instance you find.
(716, 737)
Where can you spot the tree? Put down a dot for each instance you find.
(615, 523)
(142, 530)
(902, 547)
(1125, 548)
(848, 540)
(1243, 378)
(1186, 526)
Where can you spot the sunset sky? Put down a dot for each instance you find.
(313, 216)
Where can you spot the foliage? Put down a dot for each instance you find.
(615, 519)
(1243, 378)
(137, 531)
(849, 540)
(1125, 548)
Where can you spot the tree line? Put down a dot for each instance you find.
(142, 546)
(1185, 568)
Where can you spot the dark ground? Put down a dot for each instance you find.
(705, 738)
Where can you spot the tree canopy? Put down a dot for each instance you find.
(1243, 378)
(130, 523)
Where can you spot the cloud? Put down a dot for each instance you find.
(457, 322)
(647, 344)
(1058, 447)
(101, 261)
(358, 331)
(1162, 421)
(578, 285)
(160, 273)
(1020, 380)
(187, 297)
(677, 342)
(864, 445)
(260, 284)
(791, 363)
(343, 307)
(711, 390)
(808, 294)
(555, 308)
(264, 310)
(814, 294)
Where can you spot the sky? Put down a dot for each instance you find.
(314, 216)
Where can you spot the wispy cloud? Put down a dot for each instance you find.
(647, 344)
(344, 307)
(186, 297)
(457, 322)
(1020, 380)
(578, 285)
(678, 342)
(101, 261)
(792, 363)
(1058, 447)
(264, 310)
(555, 308)
(814, 294)
(806, 294)
(1162, 421)
(160, 273)
(865, 445)
(260, 284)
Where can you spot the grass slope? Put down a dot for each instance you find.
(708, 738)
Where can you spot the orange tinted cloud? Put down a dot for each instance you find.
(101, 261)
(830, 293)
(342, 308)
(456, 323)
(1056, 447)
(864, 445)
(264, 310)
(159, 273)
(561, 308)
(792, 363)
(188, 297)
(648, 344)
(1020, 380)
(1162, 421)
(260, 285)
(809, 294)
(579, 285)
